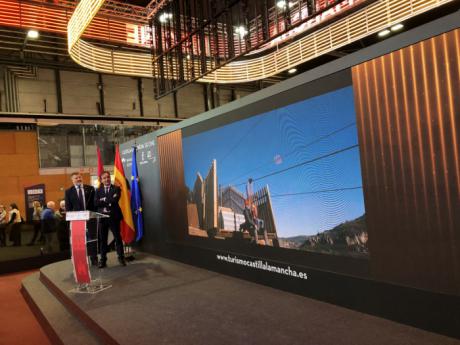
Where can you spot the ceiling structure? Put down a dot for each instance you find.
(177, 42)
(51, 19)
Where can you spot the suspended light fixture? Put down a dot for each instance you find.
(164, 17)
(384, 33)
(281, 4)
(33, 34)
(241, 30)
(397, 27)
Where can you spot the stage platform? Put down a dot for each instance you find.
(158, 301)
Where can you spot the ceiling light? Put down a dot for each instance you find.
(384, 33)
(292, 70)
(32, 34)
(281, 4)
(397, 27)
(164, 17)
(241, 30)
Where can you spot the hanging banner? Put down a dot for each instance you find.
(31, 194)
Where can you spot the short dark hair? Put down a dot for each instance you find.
(103, 173)
(13, 205)
(75, 173)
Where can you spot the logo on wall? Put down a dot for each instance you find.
(145, 151)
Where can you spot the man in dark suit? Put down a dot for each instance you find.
(80, 197)
(106, 202)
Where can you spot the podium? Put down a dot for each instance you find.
(78, 241)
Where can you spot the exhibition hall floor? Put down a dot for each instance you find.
(159, 301)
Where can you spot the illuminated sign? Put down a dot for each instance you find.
(138, 34)
(312, 22)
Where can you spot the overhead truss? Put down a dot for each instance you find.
(200, 41)
(369, 20)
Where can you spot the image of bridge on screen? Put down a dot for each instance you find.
(226, 212)
(288, 178)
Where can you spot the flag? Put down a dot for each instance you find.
(136, 198)
(127, 230)
(100, 165)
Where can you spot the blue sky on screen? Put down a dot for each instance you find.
(295, 135)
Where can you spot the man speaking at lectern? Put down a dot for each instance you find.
(80, 197)
(106, 202)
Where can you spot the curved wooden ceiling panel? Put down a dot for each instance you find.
(370, 20)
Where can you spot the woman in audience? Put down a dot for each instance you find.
(36, 219)
(3, 221)
(14, 222)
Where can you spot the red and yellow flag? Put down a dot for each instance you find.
(127, 230)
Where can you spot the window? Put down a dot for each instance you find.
(75, 146)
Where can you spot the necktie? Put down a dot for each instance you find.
(81, 202)
(106, 190)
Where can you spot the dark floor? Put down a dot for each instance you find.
(10, 252)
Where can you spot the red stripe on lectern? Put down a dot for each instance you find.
(79, 257)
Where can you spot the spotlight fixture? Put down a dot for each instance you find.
(241, 30)
(384, 33)
(164, 17)
(292, 70)
(281, 4)
(33, 34)
(397, 27)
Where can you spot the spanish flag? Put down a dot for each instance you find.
(127, 229)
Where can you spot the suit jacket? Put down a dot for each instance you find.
(108, 203)
(48, 221)
(72, 202)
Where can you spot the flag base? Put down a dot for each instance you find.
(130, 254)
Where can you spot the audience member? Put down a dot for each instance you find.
(63, 233)
(48, 225)
(14, 223)
(36, 219)
(3, 222)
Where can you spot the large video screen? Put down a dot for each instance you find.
(354, 172)
(288, 178)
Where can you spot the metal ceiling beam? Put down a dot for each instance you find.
(8, 117)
